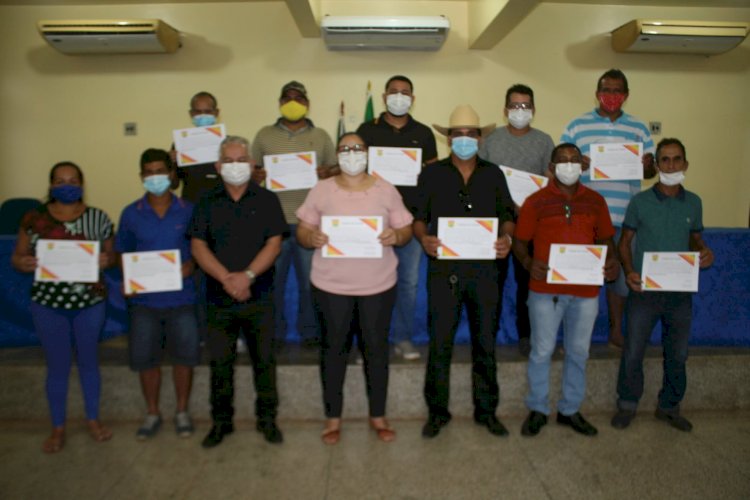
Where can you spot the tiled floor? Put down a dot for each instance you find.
(649, 460)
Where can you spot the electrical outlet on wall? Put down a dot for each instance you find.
(131, 128)
(655, 128)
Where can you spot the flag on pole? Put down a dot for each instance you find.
(369, 113)
(342, 126)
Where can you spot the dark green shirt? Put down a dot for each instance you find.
(663, 223)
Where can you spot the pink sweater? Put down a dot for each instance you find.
(354, 276)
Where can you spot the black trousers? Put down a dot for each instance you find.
(477, 286)
(336, 313)
(254, 320)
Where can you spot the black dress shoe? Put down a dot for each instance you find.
(216, 435)
(533, 423)
(434, 424)
(270, 431)
(578, 423)
(674, 419)
(492, 423)
(622, 418)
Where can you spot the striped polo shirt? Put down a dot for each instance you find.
(277, 139)
(592, 128)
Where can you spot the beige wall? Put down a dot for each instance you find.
(58, 107)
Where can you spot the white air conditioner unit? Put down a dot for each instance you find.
(678, 37)
(110, 36)
(384, 32)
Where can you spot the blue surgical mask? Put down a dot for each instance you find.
(464, 147)
(204, 120)
(157, 184)
(66, 193)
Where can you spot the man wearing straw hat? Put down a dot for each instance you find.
(458, 187)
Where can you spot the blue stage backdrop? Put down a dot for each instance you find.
(721, 308)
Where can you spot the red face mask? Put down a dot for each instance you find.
(611, 103)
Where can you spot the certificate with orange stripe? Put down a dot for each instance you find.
(287, 172)
(670, 271)
(468, 238)
(352, 237)
(198, 145)
(576, 264)
(522, 184)
(611, 162)
(399, 166)
(149, 272)
(67, 260)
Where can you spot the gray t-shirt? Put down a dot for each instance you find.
(530, 152)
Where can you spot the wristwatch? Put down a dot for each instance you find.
(251, 275)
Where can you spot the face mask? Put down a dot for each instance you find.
(398, 104)
(520, 118)
(157, 184)
(611, 103)
(671, 178)
(236, 174)
(293, 111)
(464, 147)
(66, 193)
(568, 173)
(204, 120)
(353, 162)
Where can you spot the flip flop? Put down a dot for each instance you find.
(98, 432)
(331, 436)
(385, 434)
(54, 443)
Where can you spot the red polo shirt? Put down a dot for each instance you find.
(548, 216)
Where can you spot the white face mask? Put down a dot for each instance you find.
(671, 178)
(236, 173)
(520, 118)
(353, 162)
(398, 104)
(568, 173)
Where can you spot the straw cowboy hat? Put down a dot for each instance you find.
(464, 116)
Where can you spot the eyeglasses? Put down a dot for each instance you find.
(357, 148)
(520, 105)
(464, 198)
(567, 213)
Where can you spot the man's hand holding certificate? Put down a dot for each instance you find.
(198, 145)
(670, 272)
(471, 238)
(522, 184)
(576, 264)
(148, 272)
(399, 166)
(351, 237)
(611, 162)
(287, 172)
(67, 260)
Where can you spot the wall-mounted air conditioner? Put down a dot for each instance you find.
(678, 37)
(384, 32)
(110, 36)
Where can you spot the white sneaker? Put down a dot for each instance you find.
(406, 350)
(241, 345)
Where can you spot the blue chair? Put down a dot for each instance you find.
(11, 212)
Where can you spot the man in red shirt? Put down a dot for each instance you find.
(564, 212)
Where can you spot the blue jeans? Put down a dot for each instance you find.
(291, 251)
(152, 329)
(61, 331)
(643, 310)
(546, 312)
(402, 325)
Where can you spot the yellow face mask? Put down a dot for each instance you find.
(293, 111)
